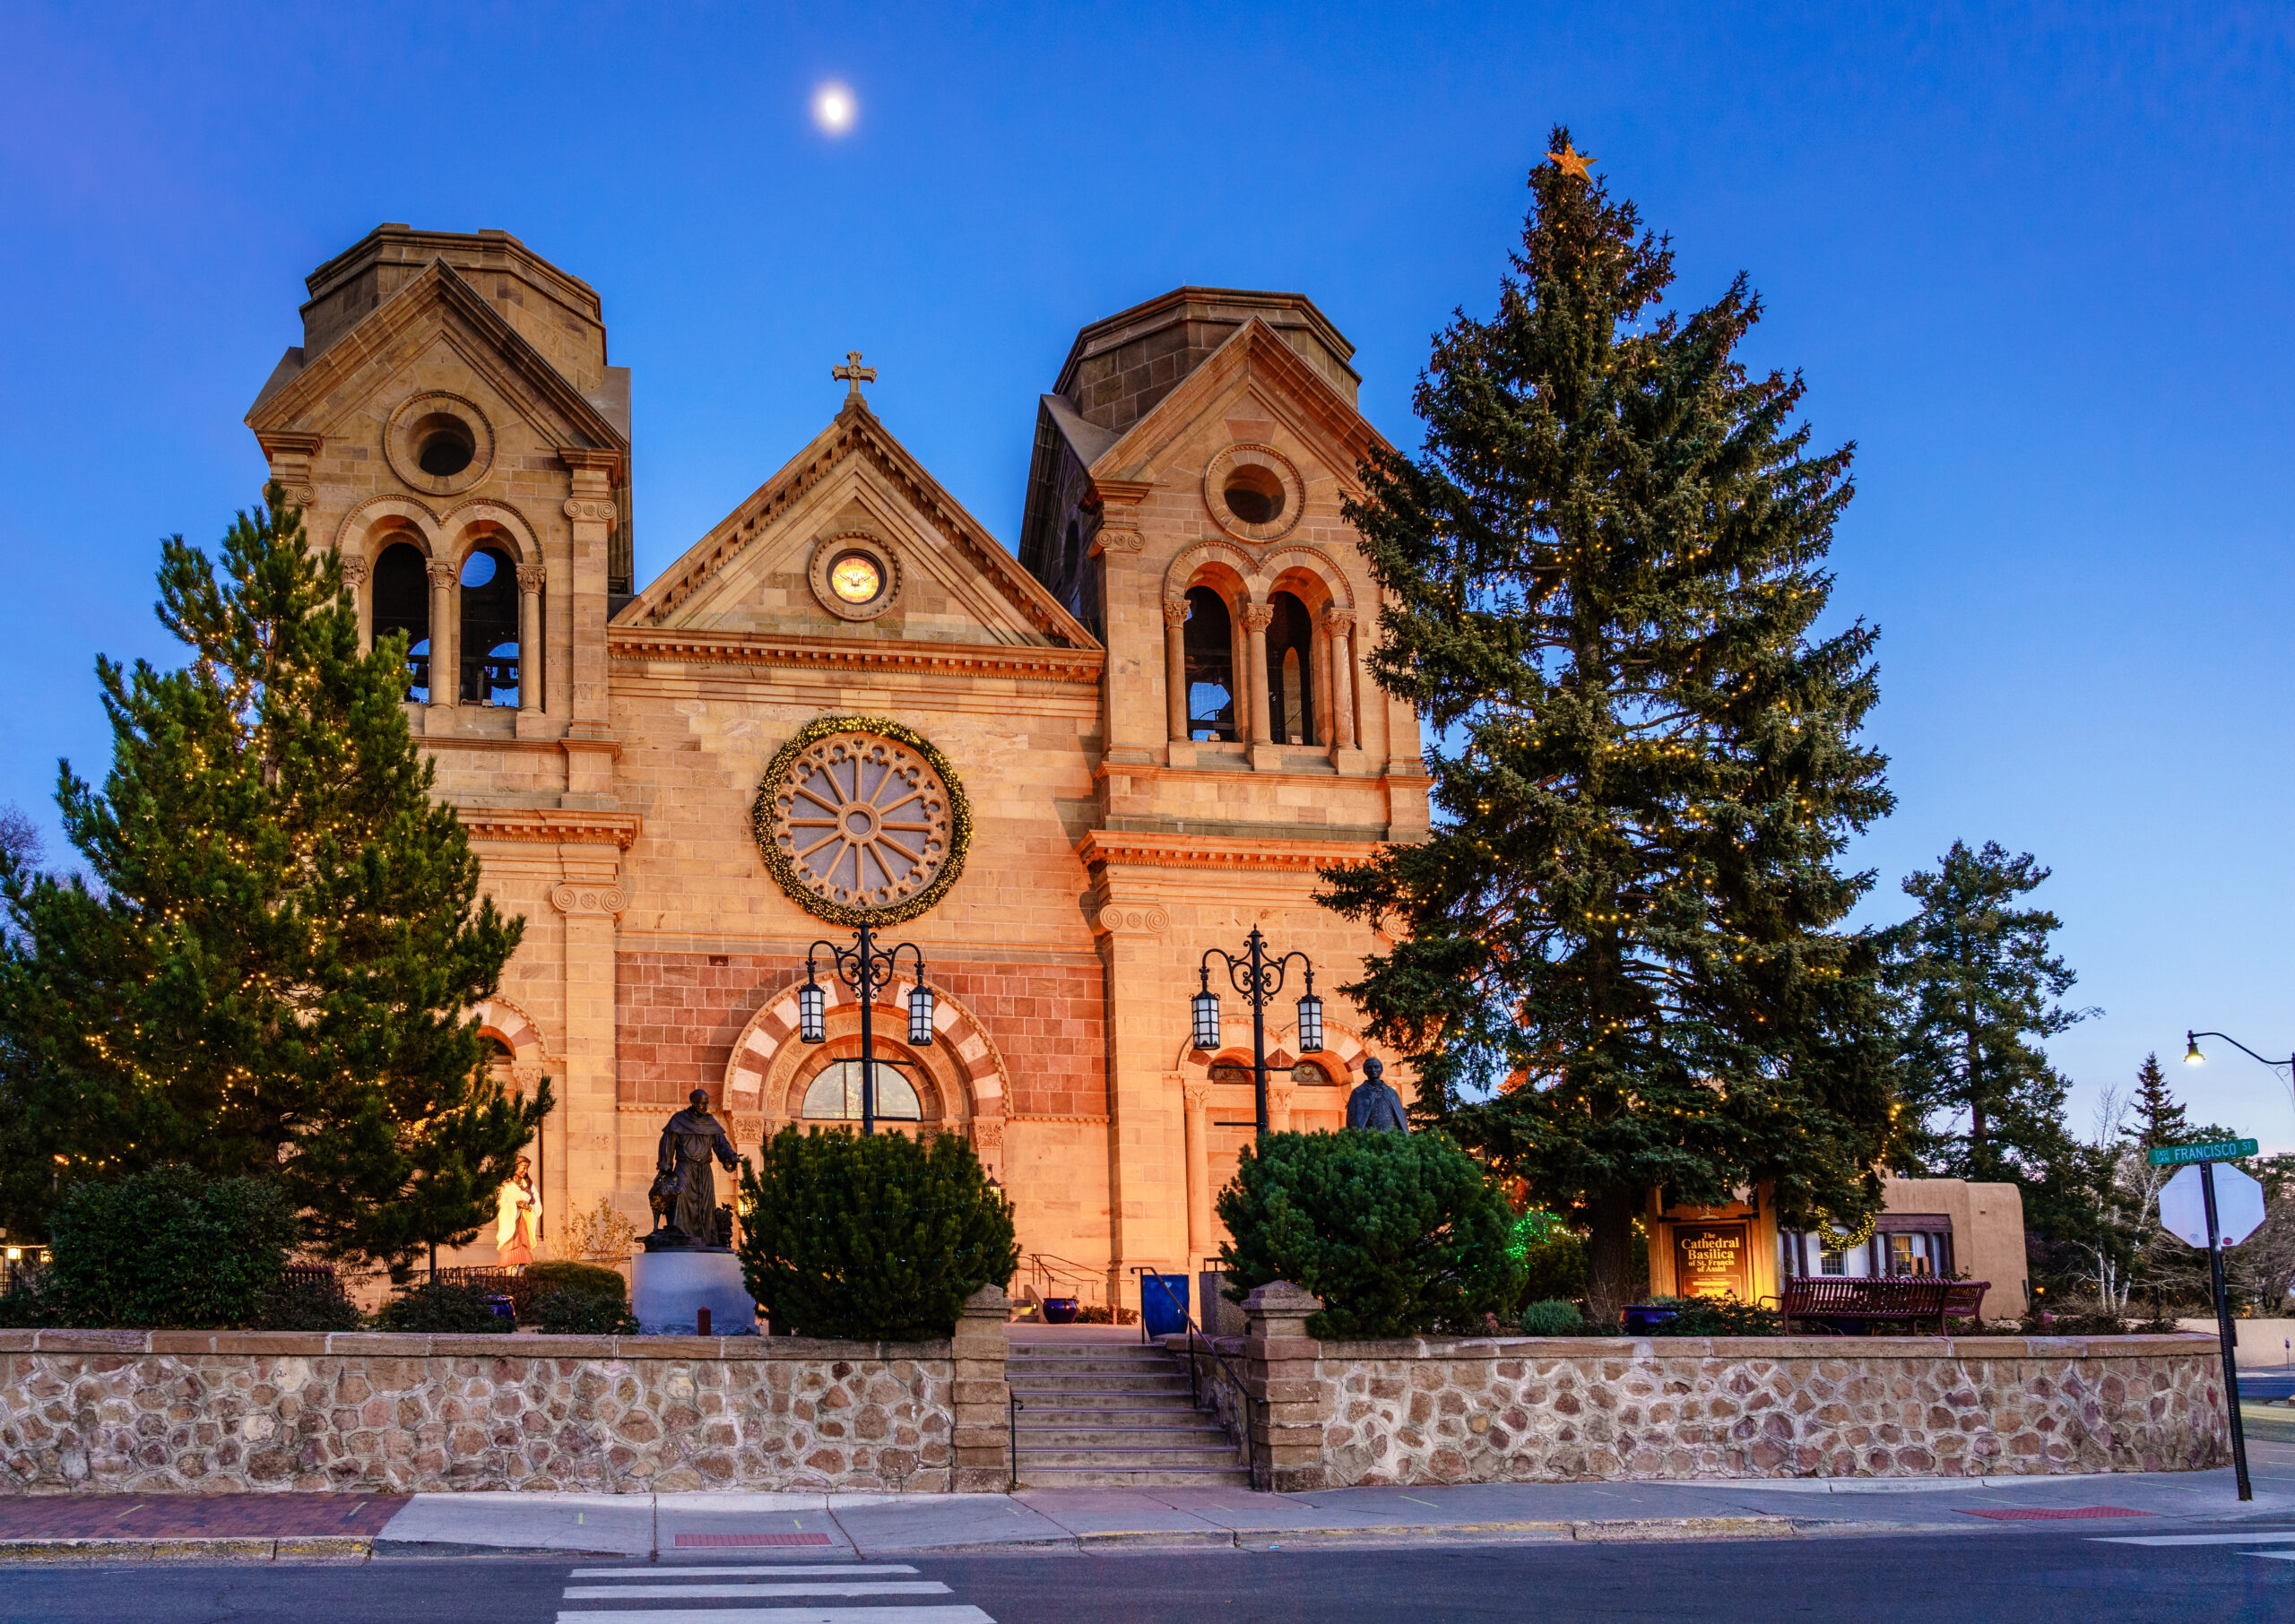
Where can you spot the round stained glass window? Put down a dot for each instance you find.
(857, 578)
(860, 818)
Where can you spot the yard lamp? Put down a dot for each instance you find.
(1258, 977)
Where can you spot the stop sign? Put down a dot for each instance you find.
(2238, 1206)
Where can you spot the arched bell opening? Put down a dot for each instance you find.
(402, 604)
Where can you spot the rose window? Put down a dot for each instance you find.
(858, 822)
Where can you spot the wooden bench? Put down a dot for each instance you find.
(1899, 1299)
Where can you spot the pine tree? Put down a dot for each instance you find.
(1979, 986)
(1600, 578)
(272, 970)
(2158, 1119)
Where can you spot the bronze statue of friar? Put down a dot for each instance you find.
(684, 1196)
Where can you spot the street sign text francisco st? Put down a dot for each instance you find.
(2222, 1150)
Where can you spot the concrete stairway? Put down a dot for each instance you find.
(1106, 1414)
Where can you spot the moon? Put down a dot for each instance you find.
(834, 108)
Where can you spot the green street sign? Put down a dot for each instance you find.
(2223, 1149)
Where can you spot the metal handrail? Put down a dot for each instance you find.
(1013, 1406)
(1194, 1392)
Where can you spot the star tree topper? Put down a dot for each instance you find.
(1571, 161)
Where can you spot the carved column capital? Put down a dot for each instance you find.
(1197, 1092)
(1116, 539)
(588, 898)
(354, 572)
(1258, 617)
(530, 578)
(442, 574)
(1174, 611)
(589, 512)
(1338, 618)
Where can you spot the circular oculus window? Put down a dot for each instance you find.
(856, 577)
(1254, 492)
(439, 443)
(862, 821)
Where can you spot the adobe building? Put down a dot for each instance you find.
(1062, 773)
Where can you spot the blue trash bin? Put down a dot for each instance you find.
(1162, 1304)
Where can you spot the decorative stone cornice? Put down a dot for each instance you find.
(1033, 664)
(1103, 848)
(562, 825)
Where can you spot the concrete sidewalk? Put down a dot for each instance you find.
(112, 1528)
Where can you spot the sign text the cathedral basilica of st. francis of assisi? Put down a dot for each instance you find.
(1709, 1261)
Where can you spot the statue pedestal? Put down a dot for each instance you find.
(666, 1288)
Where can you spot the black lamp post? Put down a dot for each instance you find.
(1259, 979)
(2192, 1056)
(864, 967)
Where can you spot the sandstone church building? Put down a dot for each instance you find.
(1062, 776)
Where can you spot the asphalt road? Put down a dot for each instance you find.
(2028, 1576)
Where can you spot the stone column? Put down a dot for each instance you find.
(589, 902)
(980, 1443)
(1176, 698)
(1339, 625)
(1197, 1091)
(446, 670)
(1256, 619)
(1289, 1403)
(1147, 1148)
(530, 688)
(354, 576)
(1279, 1105)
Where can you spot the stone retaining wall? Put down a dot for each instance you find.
(211, 1412)
(1516, 1410)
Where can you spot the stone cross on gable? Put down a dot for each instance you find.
(853, 373)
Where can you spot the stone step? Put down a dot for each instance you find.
(1070, 1393)
(1221, 1454)
(1169, 1477)
(1205, 1436)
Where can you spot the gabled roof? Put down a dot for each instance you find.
(1306, 400)
(302, 398)
(855, 433)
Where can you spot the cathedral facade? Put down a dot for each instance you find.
(1062, 774)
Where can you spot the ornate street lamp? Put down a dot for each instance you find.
(1259, 979)
(2192, 1056)
(865, 968)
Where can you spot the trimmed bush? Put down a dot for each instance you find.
(442, 1308)
(876, 1237)
(1553, 1266)
(1552, 1318)
(308, 1302)
(1716, 1317)
(567, 1311)
(166, 1250)
(582, 1279)
(1397, 1233)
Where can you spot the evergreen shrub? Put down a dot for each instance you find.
(1552, 1318)
(308, 1302)
(441, 1308)
(1716, 1317)
(570, 1311)
(1397, 1233)
(880, 1237)
(1555, 1266)
(582, 1279)
(169, 1248)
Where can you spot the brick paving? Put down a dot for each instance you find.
(92, 1516)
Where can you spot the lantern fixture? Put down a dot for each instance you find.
(920, 1017)
(810, 1024)
(1311, 1022)
(1205, 1006)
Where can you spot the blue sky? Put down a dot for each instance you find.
(2035, 261)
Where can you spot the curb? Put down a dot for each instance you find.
(290, 1548)
(1625, 1531)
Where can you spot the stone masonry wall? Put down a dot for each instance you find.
(219, 1411)
(1517, 1410)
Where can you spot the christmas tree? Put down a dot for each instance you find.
(1619, 968)
(271, 968)
(1979, 987)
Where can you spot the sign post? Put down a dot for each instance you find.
(2215, 1230)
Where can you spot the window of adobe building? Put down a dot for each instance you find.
(834, 1095)
(489, 643)
(1290, 668)
(402, 604)
(1209, 641)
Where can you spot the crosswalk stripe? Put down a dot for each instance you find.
(2275, 1538)
(803, 1570)
(955, 1613)
(815, 1587)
